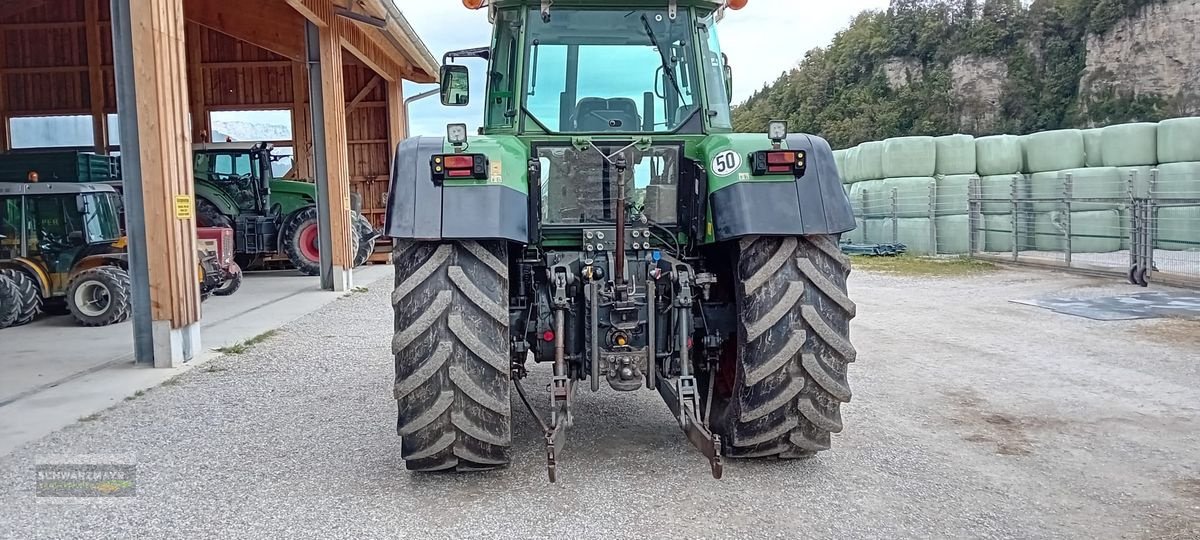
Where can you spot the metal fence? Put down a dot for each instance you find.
(1145, 228)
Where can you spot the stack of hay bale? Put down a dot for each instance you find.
(1050, 158)
(998, 161)
(1108, 165)
(1178, 153)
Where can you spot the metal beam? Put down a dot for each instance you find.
(316, 106)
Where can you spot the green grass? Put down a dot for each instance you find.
(90, 418)
(136, 395)
(213, 368)
(910, 265)
(243, 346)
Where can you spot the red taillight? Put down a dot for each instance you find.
(548, 335)
(460, 162)
(780, 158)
(778, 162)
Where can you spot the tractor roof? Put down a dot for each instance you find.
(240, 146)
(52, 188)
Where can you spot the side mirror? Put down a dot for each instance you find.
(456, 85)
(75, 237)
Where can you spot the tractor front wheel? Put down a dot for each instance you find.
(366, 239)
(232, 284)
(300, 241)
(793, 348)
(29, 295)
(99, 296)
(10, 302)
(451, 347)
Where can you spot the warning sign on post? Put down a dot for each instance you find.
(183, 207)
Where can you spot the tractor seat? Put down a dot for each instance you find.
(597, 114)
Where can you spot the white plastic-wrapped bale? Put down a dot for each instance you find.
(997, 233)
(873, 199)
(1179, 140)
(1053, 150)
(1140, 175)
(870, 159)
(1125, 145)
(954, 235)
(1001, 187)
(953, 194)
(914, 196)
(1091, 232)
(1091, 147)
(877, 231)
(955, 154)
(839, 160)
(1179, 228)
(1086, 183)
(915, 234)
(1126, 217)
(857, 235)
(853, 171)
(1177, 181)
(909, 156)
(998, 154)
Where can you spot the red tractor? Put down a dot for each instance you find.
(220, 275)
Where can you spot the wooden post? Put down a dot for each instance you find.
(332, 116)
(396, 114)
(197, 82)
(301, 130)
(96, 77)
(152, 97)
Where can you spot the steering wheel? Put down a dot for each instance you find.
(50, 242)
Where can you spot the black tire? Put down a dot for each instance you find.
(231, 285)
(793, 347)
(296, 236)
(10, 302)
(366, 239)
(295, 240)
(451, 347)
(112, 283)
(207, 215)
(29, 295)
(55, 306)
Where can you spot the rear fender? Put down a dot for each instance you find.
(492, 209)
(745, 205)
(31, 267)
(215, 195)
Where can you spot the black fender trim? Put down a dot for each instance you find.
(812, 204)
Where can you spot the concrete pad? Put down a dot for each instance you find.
(55, 372)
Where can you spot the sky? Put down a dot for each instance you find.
(762, 40)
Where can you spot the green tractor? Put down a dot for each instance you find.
(607, 221)
(235, 188)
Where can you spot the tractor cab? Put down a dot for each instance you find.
(241, 171)
(58, 224)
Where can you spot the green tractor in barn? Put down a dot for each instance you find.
(236, 188)
(608, 222)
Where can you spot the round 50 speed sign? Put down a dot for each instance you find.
(726, 163)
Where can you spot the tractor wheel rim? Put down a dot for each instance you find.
(92, 298)
(308, 243)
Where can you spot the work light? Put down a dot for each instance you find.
(456, 134)
(777, 130)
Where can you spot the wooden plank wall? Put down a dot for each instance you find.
(46, 69)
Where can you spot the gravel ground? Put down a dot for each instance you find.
(972, 417)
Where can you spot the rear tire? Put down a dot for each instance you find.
(366, 239)
(451, 349)
(208, 215)
(29, 296)
(793, 347)
(99, 296)
(10, 302)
